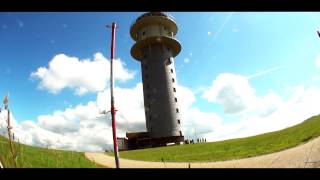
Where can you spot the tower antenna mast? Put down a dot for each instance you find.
(113, 110)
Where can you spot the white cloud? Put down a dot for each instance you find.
(197, 123)
(298, 107)
(232, 91)
(186, 60)
(194, 121)
(4, 26)
(209, 33)
(83, 128)
(190, 54)
(80, 75)
(255, 115)
(317, 62)
(130, 106)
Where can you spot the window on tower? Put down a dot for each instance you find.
(174, 90)
(171, 70)
(173, 80)
(178, 121)
(175, 99)
(168, 61)
(177, 110)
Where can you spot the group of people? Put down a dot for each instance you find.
(191, 141)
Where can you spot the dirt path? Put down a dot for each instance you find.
(303, 156)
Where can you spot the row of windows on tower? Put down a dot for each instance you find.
(148, 95)
(150, 118)
(146, 68)
(145, 54)
(147, 77)
(144, 32)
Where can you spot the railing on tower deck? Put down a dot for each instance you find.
(153, 14)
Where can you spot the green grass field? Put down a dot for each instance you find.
(234, 148)
(34, 157)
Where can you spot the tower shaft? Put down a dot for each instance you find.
(155, 48)
(159, 88)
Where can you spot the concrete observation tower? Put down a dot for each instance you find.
(155, 47)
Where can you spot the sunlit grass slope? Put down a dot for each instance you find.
(35, 157)
(234, 148)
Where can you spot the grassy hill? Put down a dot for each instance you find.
(234, 148)
(34, 157)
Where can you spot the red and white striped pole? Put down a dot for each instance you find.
(113, 110)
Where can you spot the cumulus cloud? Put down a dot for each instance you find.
(258, 114)
(299, 106)
(194, 122)
(84, 128)
(232, 91)
(130, 106)
(80, 75)
(186, 60)
(60, 131)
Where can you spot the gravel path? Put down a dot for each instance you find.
(303, 156)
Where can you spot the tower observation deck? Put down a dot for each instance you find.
(155, 48)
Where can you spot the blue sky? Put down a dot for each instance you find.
(283, 45)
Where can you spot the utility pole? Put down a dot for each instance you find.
(113, 109)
